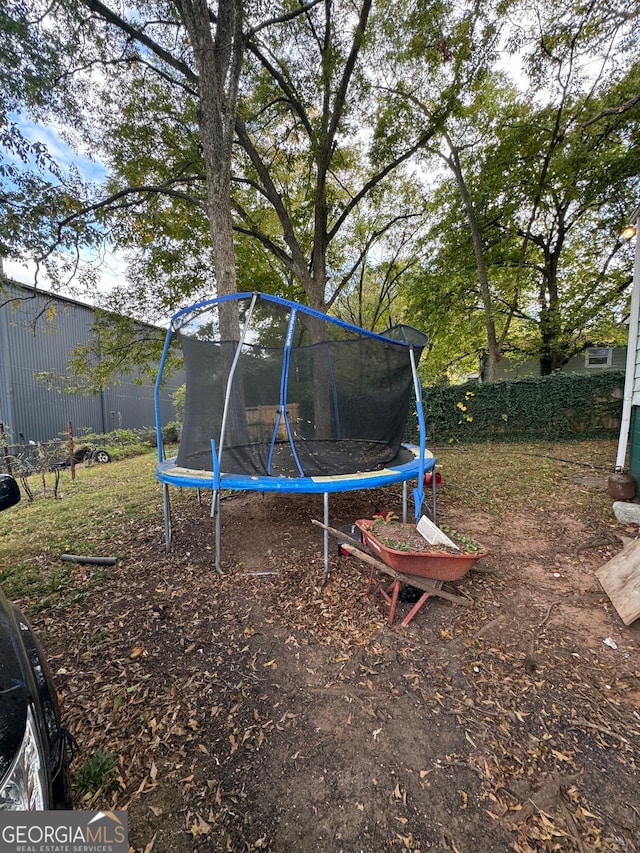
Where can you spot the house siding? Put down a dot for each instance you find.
(508, 369)
(32, 410)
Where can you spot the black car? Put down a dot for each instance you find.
(33, 754)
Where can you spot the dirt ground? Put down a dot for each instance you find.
(273, 708)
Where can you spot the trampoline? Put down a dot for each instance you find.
(283, 398)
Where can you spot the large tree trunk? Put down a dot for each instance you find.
(493, 345)
(553, 353)
(218, 55)
(322, 396)
(219, 60)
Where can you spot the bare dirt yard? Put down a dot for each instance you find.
(273, 708)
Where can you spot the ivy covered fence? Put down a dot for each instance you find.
(559, 407)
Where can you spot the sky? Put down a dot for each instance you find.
(114, 267)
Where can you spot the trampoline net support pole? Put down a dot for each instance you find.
(418, 493)
(215, 502)
(232, 373)
(433, 495)
(282, 398)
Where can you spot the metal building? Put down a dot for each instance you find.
(33, 411)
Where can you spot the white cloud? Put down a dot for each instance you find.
(60, 152)
(111, 272)
(111, 267)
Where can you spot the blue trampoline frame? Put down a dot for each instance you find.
(169, 474)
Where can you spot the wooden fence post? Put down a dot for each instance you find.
(72, 461)
(5, 449)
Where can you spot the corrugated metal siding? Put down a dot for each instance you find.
(32, 411)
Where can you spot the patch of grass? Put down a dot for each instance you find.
(58, 587)
(21, 580)
(92, 512)
(96, 773)
(524, 476)
(82, 520)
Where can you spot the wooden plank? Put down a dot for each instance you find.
(620, 579)
(433, 587)
(341, 536)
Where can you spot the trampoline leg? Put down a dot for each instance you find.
(166, 506)
(218, 566)
(326, 533)
(215, 512)
(433, 495)
(404, 501)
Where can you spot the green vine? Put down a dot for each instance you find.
(558, 407)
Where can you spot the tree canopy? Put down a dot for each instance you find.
(465, 169)
(542, 176)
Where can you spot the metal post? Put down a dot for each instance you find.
(216, 511)
(232, 371)
(325, 534)
(629, 377)
(434, 486)
(418, 493)
(72, 461)
(166, 505)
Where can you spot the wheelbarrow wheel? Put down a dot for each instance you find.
(101, 456)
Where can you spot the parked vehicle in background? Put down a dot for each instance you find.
(83, 454)
(33, 744)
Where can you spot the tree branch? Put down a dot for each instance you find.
(272, 194)
(614, 111)
(371, 239)
(138, 35)
(149, 189)
(281, 19)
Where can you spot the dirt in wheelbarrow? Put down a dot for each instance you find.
(273, 708)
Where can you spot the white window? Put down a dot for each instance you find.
(598, 357)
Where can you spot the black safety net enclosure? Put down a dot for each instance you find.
(285, 391)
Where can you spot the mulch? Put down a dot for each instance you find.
(273, 709)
